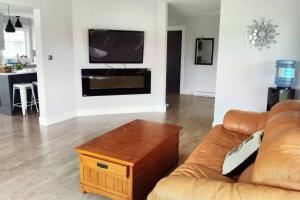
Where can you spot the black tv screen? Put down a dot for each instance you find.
(112, 46)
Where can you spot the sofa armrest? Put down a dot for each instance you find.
(189, 188)
(244, 122)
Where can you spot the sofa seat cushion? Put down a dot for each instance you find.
(188, 188)
(198, 171)
(212, 151)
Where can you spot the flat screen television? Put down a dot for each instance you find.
(114, 46)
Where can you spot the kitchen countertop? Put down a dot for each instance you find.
(17, 73)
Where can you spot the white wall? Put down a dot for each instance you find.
(244, 74)
(58, 74)
(59, 79)
(54, 37)
(121, 15)
(160, 43)
(198, 79)
(2, 44)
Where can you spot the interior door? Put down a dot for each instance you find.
(174, 61)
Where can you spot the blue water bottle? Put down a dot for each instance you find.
(286, 72)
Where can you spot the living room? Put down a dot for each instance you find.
(40, 161)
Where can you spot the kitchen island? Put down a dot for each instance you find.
(6, 88)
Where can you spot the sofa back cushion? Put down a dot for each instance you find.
(284, 106)
(244, 122)
(278, 160)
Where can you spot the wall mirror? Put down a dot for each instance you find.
(204, 51)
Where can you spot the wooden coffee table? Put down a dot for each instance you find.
(127, 162)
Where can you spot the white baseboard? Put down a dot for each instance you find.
(161, 109)
(215, 124)
(198, 93)
(56, 119)
(120, 110)
(47, 121)
(186, 92)
(204, 94)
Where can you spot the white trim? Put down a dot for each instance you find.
(121, 110)
(217, 123)
(161, 109)
(198, 93)
(183, 30)
(186, 92)
(204, 94)
(47, 121)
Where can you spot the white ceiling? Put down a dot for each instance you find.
(193, 8)
(16, 10)
(182, 8)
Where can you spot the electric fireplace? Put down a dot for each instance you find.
(102, 82)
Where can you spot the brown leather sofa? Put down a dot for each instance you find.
(275, 174)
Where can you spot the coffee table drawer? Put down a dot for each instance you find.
(104, 166)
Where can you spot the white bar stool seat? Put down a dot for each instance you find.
(23, 87)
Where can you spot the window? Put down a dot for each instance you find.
(16, 44)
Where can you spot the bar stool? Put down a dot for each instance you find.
(35, 84)
(23, 87)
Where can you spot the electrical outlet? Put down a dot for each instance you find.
(50, 57)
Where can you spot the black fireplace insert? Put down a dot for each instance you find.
(102, 82)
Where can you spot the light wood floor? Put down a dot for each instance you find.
(39, 163)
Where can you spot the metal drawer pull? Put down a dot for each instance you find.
(103, 166)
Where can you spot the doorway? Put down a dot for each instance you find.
(174, 61)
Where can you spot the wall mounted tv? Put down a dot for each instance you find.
(114, 46)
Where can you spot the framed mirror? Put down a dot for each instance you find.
(204, 51)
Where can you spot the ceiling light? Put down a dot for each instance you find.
(9, 26)
(18, 22)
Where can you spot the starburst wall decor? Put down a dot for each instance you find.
(262, 34)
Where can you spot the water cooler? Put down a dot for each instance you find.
(285, 79)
